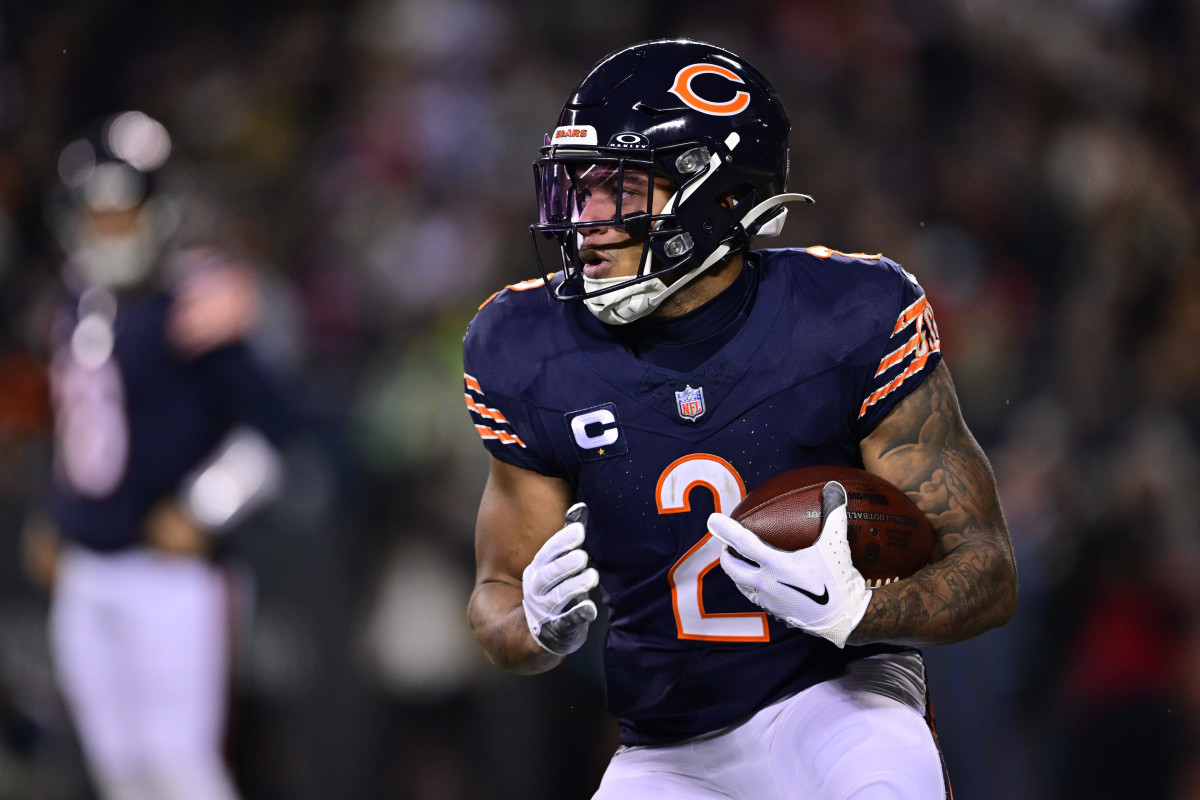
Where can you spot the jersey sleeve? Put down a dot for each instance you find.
(897, 362)
(250, 392)
(506, 421)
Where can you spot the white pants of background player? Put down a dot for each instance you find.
(862, 736)
(141, 650)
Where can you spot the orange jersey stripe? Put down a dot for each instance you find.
(488, 413)
(911, 313)
(532, 283)
(506, 438)
(820, 251)
(893, 384)
(923, 342)
(898, 355)
(485, 411)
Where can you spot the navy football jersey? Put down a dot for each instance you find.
(831, 344)
(133, 418)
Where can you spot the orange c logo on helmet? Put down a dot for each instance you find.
(683, 90)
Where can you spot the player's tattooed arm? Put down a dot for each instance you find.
(924, 447)
(519, 511)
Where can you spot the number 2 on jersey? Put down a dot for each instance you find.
(687, 576)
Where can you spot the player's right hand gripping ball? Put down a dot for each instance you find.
(556, 586)
(816, 589)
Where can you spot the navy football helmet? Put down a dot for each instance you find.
(683, 110)
(114, 168)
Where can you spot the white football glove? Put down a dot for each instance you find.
(556, 586)
(816, 589)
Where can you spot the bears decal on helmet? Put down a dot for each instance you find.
(684, 91)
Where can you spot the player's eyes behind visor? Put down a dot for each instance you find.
(596, 192)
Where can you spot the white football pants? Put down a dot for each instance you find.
(141, 650)
(862, 736)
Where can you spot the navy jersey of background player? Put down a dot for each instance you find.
(829, 344)
(132, 425)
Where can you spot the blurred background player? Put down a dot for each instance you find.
(663, 370)
(163, 429)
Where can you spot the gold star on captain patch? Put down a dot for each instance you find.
(600, 451)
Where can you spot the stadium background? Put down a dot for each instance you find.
(1034, 162)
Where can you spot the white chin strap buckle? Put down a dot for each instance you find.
(773, 226)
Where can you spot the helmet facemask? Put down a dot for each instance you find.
(615, 191)
(703, 223)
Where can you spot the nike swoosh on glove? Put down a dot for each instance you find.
(816, 589)
(556, 586)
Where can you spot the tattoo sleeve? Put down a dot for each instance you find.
(924, 447)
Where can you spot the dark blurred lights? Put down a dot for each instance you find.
(138, 139)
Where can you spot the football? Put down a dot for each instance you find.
(889, 536)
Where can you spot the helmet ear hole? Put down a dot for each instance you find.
(735, 195)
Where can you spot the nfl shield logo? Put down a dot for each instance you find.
(690, 403)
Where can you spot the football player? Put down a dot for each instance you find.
(164, 438)
(631, 398)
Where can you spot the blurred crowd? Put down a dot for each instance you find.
(1035, 163)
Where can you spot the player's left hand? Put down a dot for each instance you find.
(816, 589)
(170, 531)
(41, 546)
